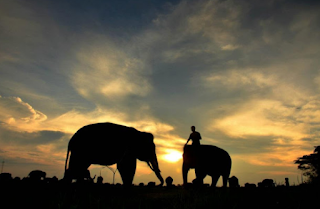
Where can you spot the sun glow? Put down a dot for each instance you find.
(172, 156)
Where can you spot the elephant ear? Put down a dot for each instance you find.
(144, 138)
(149, 136)
(147, 140)
(144, 146)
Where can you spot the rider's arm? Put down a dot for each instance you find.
(188, 141)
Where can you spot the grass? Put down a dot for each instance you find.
(107, 196)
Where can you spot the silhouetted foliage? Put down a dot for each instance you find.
(37, 175)
(151, 184)
(233, 182)
(250, 185)
(5, 177)
(266, 183)
(310, 165)
(287, 182)
(100, 180)
(169, 181)
(52, 180)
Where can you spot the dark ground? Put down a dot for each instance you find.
(88, 196)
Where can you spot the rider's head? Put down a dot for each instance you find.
(193, 128)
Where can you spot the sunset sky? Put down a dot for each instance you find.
(245, 73)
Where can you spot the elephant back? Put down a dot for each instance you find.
(108, 140)
(206, 155)
(103, 134)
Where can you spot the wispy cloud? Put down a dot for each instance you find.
(20, 115)
(263, 118)
(108, 72)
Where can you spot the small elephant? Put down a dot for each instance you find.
(207, 160)
(108, 144)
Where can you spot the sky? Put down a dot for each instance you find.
(246, 74)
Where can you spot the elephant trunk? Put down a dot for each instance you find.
(155, 168)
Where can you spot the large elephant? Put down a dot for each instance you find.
(207, 160)
(108, 144)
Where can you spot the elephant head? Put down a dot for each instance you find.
(146, 151)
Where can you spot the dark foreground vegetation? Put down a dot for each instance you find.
(26, 195)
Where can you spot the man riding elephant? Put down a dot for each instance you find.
(194, 136)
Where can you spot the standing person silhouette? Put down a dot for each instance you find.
(194, 136)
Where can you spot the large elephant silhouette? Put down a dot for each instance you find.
(108, 144)
(207, 160)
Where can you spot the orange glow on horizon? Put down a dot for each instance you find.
(172, 156)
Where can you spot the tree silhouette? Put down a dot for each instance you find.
(310, 165)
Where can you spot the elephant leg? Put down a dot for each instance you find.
(185, 170)
(225, 178)
(200, 175)
(127, 169)
(215, 179)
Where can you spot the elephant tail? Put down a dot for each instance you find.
(67, 158)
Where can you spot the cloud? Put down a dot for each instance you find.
(18, 114)
(73, 120)
(7, 58)
(243, 33)
(276, 156)
(23, 134)
(37, 147)
(263, 118)
(31, 139)
(229, 47)
(243, 78)
(107, 72)
(278, 173)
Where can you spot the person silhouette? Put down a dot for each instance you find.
(194, 136)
